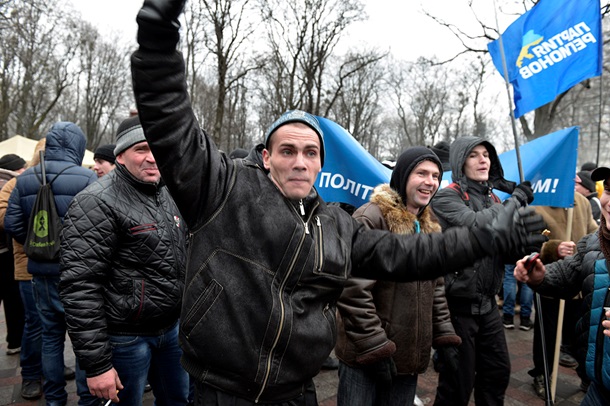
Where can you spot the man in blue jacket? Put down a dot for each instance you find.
(65, 148)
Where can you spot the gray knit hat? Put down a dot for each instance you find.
(130, 132)
(297, 116)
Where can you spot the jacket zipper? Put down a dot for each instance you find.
(281, 302)
(320, 244)
(302, 209)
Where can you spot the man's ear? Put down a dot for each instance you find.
(119, 159)
(266, 158)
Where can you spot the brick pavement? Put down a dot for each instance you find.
(519, 393)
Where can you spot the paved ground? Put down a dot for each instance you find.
(520, 392)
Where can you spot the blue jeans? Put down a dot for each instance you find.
(31, 341)
(53, 321)
(596, 396)
(526, 297)
(136, 358)
(357, 387)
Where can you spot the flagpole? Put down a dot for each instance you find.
(599, 117)
(547, 383)
(510, 103)
(560, 316)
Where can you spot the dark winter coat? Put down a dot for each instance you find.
(258, 315)
(413, 315)
(565, 279)
(122, 265)
(472, 290)
(65, 147)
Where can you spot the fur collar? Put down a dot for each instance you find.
(396, 215)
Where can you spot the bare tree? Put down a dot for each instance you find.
(99, 98)
(355, 98)
(302, 36)
(420, 93)
(35, 65)
(223, 29)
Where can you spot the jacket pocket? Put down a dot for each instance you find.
(139, 293)
(331, 257)
(201, 307)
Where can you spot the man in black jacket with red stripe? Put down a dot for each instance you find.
(122, 275)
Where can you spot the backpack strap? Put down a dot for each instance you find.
(60, 172)
(466, 198)
(39, 176)
(463, 195)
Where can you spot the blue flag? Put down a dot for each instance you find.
(350, 173)
(548, 162)
(552, 47)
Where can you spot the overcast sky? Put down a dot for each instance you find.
(395, 25)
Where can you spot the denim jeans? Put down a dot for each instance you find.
(357, 387)
(596, 396)
(136, 358)
(31, 342)
(52, 318)
(526, 297)
(53, 323)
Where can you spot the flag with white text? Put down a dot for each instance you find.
(350, 172)
(552, 47)
(549, 162)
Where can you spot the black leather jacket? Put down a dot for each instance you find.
(122, 265)
(258, 316)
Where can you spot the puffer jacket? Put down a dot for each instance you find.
(20, 260)
(413, 315)
(5, 242)
(65, 147)
(122, 265)
(565, 279)
(472, 290)
(258, 315)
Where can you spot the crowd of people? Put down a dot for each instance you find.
(225, 279)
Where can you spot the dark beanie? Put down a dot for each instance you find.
(238, 153)
(441, 149)
(586, 181)
(105, 152)
(406, 162)
(12, 162)
(588, 166)
(130, 133)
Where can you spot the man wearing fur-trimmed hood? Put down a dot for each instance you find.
(386, 329)
(471, 292)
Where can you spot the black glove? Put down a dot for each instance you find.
(512, 231)
(522, 231)
(383, 370)
(448, 359)
(158, 24)
(524, 193)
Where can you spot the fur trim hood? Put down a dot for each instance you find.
(398, 219)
